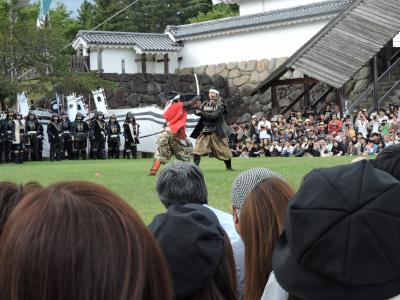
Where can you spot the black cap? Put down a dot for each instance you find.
(192, 240)
(342, 236)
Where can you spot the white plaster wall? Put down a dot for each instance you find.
(93, 60)
(396, 41)
(112, 58)
(255, 45)
(248, 7)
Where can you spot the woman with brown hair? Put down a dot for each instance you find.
(259, 200)
(10, 195)
(79, 240)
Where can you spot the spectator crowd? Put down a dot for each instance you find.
(310, 134)
(336, 238)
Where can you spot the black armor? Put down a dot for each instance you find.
(55, 134)
(131, 135)
(67, 137)
(7, 130)
(2, 140)
(98, 143)
(113, 139)
(34, 131)
(80, 134)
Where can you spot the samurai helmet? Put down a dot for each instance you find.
(129, 116)
(79, 116)
(53, 116)
(113, 117)
(99, 114)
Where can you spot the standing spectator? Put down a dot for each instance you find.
(259, 199)
(335, 125)
(265, 123)
(362, 124)
(79, 240)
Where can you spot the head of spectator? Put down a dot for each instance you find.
(79, 240)
(341, 240)
(259, 199)
(181, 183)
(389, 160)
(10, 195)
(198, 252)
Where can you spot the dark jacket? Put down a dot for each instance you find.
(127, 133)
(54, 132)
(217, 116)
(99, 130)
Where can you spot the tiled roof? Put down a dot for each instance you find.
(144, 41)
(336, 53)
(271, 18)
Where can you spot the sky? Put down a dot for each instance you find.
(73, 5)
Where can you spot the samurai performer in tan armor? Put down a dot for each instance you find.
(211, 131)
(173, 140)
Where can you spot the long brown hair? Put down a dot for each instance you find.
(223, 285)
(261, 222)
(10, 195)
(79, 240)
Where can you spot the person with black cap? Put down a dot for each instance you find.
(211, 131)
(183, 183)
(198, 252)
(341, 239)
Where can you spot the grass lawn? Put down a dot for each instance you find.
(129, 178)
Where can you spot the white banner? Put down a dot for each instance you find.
(100, 100)
(23, 106)
(81, 107)
(72, 107)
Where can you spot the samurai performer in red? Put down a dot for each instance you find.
(173, 140)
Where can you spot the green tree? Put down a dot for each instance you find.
(86, 15)
(37, 60)
(219, 11)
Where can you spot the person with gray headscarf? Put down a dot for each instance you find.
(259, 199)
(183, 183)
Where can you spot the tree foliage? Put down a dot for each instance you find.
(219, 11)
(36, 60)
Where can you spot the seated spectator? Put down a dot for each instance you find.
(298, 151)
(198, 252)
(287, 149)
(79, 240)
(341, 240)
(275, 149)
(10, 195)
(259, 199)
(337, 149)
(255, 150)
(183, 183)
(351, 149)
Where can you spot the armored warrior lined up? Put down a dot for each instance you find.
(131, 135)
(80, 133)
(35, 137)
(113, 139)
